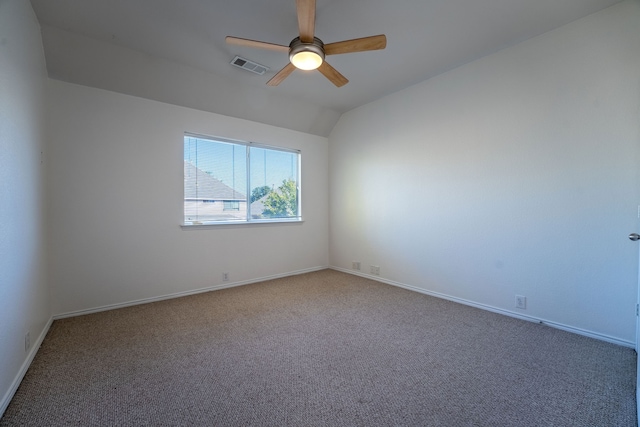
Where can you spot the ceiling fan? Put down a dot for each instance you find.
(308, 52)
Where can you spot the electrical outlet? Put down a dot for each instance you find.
(375, 270)
(521, 302)
(355, 265)
(27, 342)
(225, 277)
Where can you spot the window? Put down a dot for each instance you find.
(231, 205)
(231, 181)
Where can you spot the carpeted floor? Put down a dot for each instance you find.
(320, 349)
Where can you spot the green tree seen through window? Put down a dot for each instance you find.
(283, 202)
(259, 192)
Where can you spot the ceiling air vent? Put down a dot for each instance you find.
(245, 64)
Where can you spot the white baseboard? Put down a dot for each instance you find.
(4, 403)
(183, 294)
(579, 331)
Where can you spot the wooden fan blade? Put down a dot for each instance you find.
(332, 74)
(356, 45)
(306, 19)
(254, 43)
(281, 75)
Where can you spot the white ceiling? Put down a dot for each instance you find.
(424, 37)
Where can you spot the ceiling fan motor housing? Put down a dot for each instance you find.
(312, 51)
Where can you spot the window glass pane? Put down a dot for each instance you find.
(274, 183)
(215, 179)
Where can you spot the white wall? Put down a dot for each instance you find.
(116, 176)
(24, 296)
(514, 174)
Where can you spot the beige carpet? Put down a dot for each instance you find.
(320, 349)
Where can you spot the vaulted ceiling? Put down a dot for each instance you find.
(175, 51)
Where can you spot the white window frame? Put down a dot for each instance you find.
(248, 220)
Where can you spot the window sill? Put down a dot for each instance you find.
(210, 225)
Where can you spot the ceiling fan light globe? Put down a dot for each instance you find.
(306, 60)
(306, 56)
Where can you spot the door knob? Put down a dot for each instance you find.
(634, 236)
